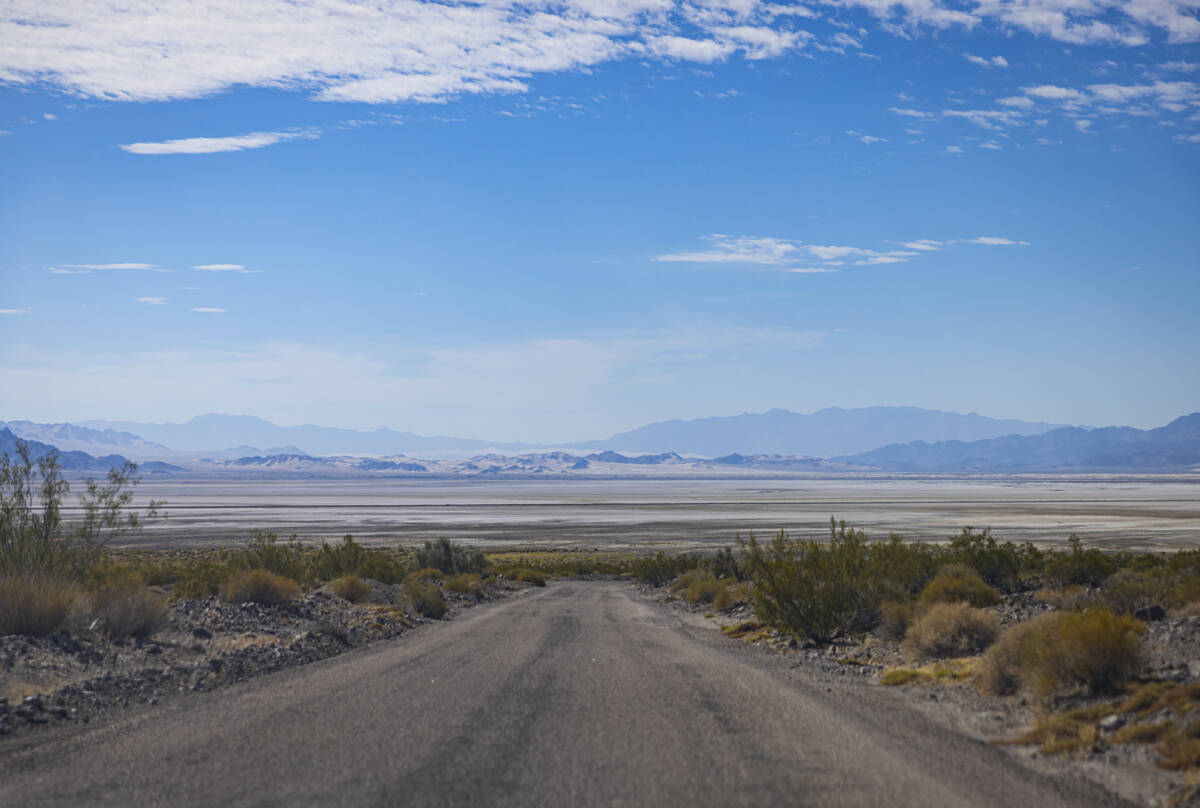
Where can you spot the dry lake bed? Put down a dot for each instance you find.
(1150, 512)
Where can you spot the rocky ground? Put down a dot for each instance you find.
(81, 674)
(1172, 646)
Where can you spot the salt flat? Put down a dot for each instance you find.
(1134, 512)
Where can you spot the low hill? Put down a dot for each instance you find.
(825, 433)
(74, 460)
(1175, 446)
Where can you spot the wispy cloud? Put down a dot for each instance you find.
(995, 61)
(226, 268)
(797, 256)
(90, 267)
(864, 138)
(152, 301)
(14, 311)
(994, 241)
(215, 145)
(208, 310)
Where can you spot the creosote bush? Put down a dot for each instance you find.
(1062, 651)
(424, 598)
(466, 583)
(950, 629)
(448, 557)
(957, 583)
(351, 587)
(527, 576)
(35, 605)
(259, 586)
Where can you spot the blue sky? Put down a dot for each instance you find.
(557, 221)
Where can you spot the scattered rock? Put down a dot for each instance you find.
(1150, 614)
(1112, 722)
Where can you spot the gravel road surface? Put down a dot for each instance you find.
(584, 693)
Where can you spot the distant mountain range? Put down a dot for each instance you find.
(1175, 446)
(211, 432)
(70, 437)
(825, 433)
(74, 460)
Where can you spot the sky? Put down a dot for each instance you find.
(556, 221)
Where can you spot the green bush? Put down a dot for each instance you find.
(427, 574)
(35, 605)
(731, 594)
(264, 552)
(725, 564)
(702, 591)
(1062, 651)
(1080, 567)
(259, 586)
(660, 568)
(528, 576)
(812, 590)
(950, 629)
(424, 598)
(999, 564)
(895, 618)
(351, 587)
(466, 583)
(959, 585)
(448, 557)
(201, 579)
(690, 577)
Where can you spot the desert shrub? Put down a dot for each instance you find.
(950, 629)
(259, 586)
(1181, 749)
(448, 557)
(465, 583)
(527, 576)
(1079, 566)
(899, 568)
(1069, 732)
(894, 619)
(424, 598)
(130, 610)
(330, 561)
(725, 564)
(378, 565)
(999, 564)
(1128, 590)
(351, 587)
(200, 579)
(1070, 597)
(731, 594)
(1062, 651)
(35, 541)
(35, 605)
(426, 574)
(1143, 733)
(959, 585)
(813, 590)
(703, 591)
(692, 576)
(660, 568)
(264, 552)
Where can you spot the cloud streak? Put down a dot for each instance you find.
(215, 145)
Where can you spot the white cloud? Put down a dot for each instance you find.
(59, 271)
(994, 241)
(991, 144)
(153, 301)
(1180, 67)
(953, 150)
(410, 50)
(239, 268)
(738, 250)
(49, 116)
(1187, 138)
(1083, 124)
(213, 145)
(868, 139)
(926, 244)
(14, 311)
(208, 310)
(147, 267)
(910, 113)
(1019, 101)
(1052, 92)
(984, 118)
(995, 61)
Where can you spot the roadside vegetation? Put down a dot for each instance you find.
(1065, 631)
